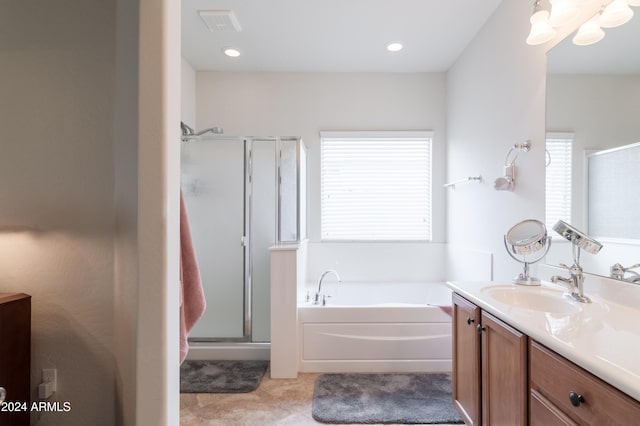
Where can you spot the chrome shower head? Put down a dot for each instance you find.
(508, 181)
(504, 183)
(186, 130)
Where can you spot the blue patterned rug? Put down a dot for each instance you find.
(415, 398)
(221, 376)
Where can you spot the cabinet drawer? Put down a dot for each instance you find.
(543, 413)
(555, 379)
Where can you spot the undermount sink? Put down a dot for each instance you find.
(533, 298)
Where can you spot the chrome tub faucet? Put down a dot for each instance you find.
(316, 300)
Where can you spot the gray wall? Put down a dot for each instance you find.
(57, 62)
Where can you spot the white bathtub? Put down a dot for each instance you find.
(376, 327)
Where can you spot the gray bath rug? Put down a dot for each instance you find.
(414, 398)
(221, 376)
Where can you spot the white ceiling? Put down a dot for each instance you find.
(334, 35)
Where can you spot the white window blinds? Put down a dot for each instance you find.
(376, 186)
(558, 178)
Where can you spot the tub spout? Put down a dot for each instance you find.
(317, 298)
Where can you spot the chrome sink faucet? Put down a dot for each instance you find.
(316, 300)
(575, 282)
(618, 272)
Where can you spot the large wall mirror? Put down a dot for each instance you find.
(593, 103)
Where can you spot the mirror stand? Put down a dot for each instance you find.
(526, 238)
(524, 278)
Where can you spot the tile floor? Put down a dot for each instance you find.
(284, 402)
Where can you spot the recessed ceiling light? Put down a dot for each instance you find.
(231, 52)
(394, 46)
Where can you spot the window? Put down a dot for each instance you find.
(558, 178)
(376, 186)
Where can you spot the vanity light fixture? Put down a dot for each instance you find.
(562, 12)
(541, 29)
(613, 13)
(589, 33)
(394, 46)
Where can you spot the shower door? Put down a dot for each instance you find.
(243, 195)
(263, 217)
(213, 183)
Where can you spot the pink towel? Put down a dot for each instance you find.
(447, 309)
(192, 301)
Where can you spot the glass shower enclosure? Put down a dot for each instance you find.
(243, 195)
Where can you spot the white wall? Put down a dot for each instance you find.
(188, 94)
(157, 351)
(496, 98)
(272, 104)
(56, 222)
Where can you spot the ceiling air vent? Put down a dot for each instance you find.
(220, 20)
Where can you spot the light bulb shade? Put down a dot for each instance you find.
(589, 33)
(541, 31)
(562, 12)
(615, 14)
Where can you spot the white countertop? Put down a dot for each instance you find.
(602, 337)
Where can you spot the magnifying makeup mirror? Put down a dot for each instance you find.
(524, 239)
(577, 237)
(579, 240)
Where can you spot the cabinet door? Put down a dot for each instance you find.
(504, 373)
(466, 360)
(15, 355)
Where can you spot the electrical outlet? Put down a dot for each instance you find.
(50, 375)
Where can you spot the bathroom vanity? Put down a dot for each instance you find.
(529, 355)
(15, 358)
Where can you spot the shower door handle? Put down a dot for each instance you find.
(243, 241)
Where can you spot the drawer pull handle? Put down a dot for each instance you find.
(470, 320)
(480, 328)
(576, 399)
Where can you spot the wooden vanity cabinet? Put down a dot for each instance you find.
(466, 385)
(489, 368)
(504, 373)
(564, 394)
(15, 356)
